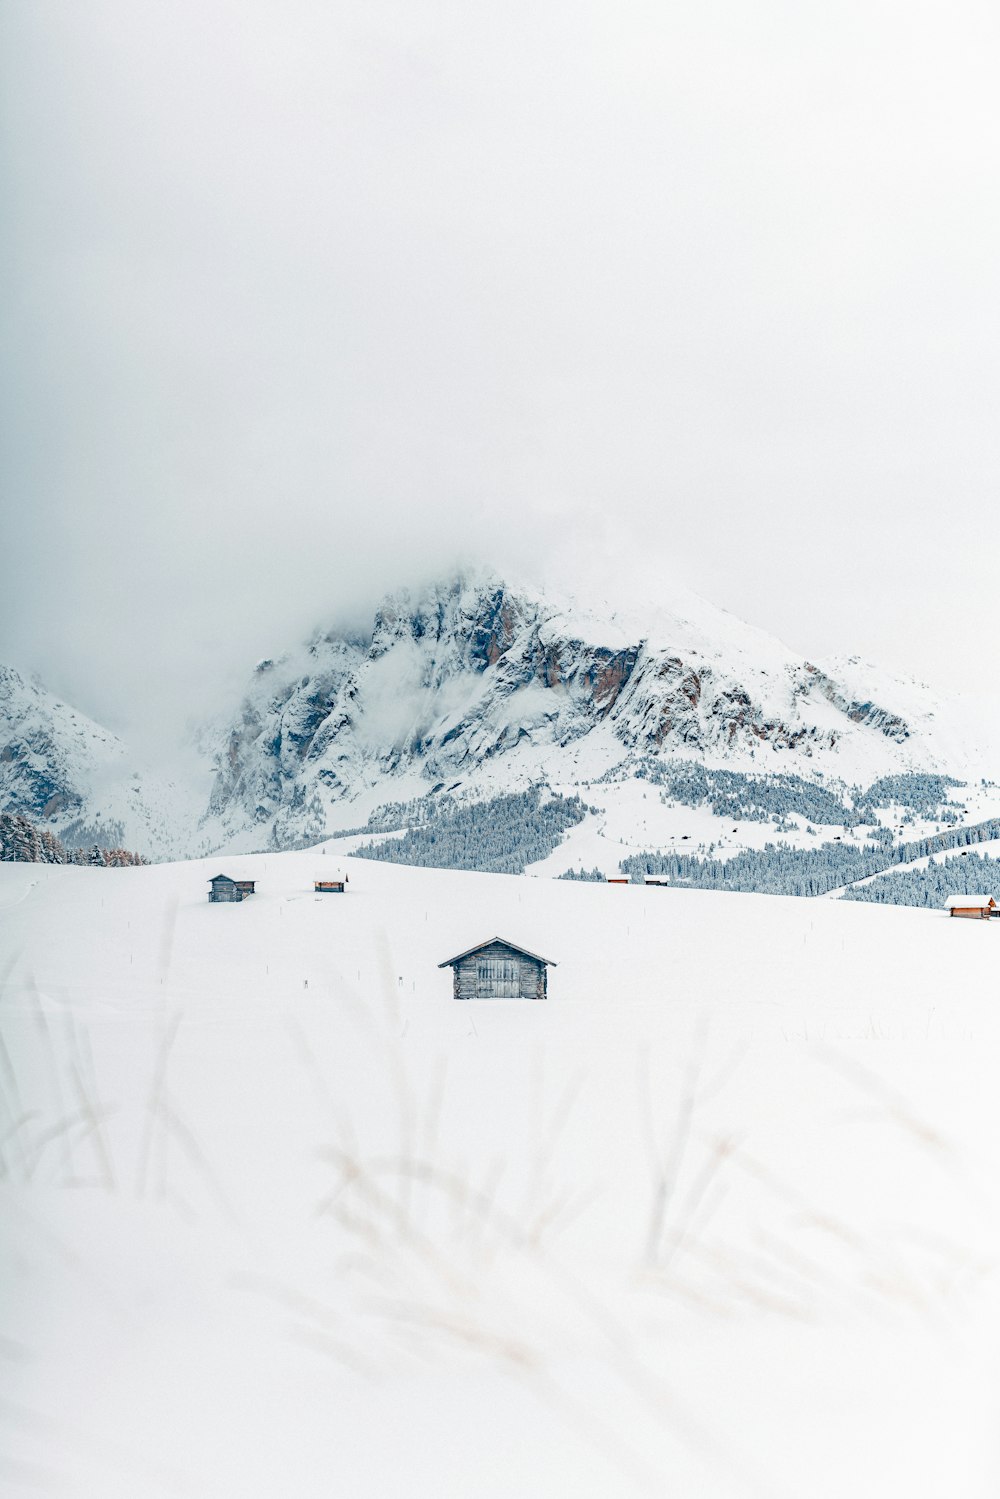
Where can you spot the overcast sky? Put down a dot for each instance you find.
(303, 299)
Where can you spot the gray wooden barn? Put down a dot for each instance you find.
(221, 887)
(498, 969)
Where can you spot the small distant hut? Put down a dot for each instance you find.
(976, 907)
(330, 884)
(222, 888)
(498, 969)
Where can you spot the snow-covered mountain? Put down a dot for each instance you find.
(476, 685)
(65, 772)
(488, 686)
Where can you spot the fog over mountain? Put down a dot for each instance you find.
(515, 481)
(305, 303)
(488, 687)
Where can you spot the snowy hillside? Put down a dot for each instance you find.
(479, 688)
(719, 1219)
(483, 686)
(64, 771)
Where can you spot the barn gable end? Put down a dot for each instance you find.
(498, 969)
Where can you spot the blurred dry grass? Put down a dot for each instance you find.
(522, 1260)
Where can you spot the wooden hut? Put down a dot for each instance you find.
(334, 885)
(977, 907)
(498, 969)
(222, 888)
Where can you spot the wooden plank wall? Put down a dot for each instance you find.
(532, 973)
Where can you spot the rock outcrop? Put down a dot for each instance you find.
(490, 683)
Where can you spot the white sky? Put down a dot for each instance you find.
(302, 300)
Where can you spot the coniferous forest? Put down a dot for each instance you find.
(506, 834)
(779, 869)
(500, 836)
(21, 842)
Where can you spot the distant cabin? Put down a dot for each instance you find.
(498, 969)
(614, 880)
(978, 907)
(221, 887)
(334, 886)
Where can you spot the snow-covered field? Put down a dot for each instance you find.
(721, 1218)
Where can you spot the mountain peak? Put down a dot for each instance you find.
(498, 683)
(486, 683)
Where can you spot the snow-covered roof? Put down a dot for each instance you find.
(449, 962)
(972, 901)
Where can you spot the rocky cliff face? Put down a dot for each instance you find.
(477, 684)
(491, 685)
(68, 774)
(49, 752)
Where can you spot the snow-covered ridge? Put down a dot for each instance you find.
(51, 754)
(64, 771)
(495, 686)
(478, 685)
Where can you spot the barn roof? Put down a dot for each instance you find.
(450, 962)
(969, 900)
(228, 879)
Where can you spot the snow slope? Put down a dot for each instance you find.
(718, 1219)
(490, 685)
(482, 685)
(65, 772)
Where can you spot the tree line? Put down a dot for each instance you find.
(747, 798)
(961, 874)
(499, 836)
(779, 869)
(21, 842)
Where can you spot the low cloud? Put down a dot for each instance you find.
(305, 303)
